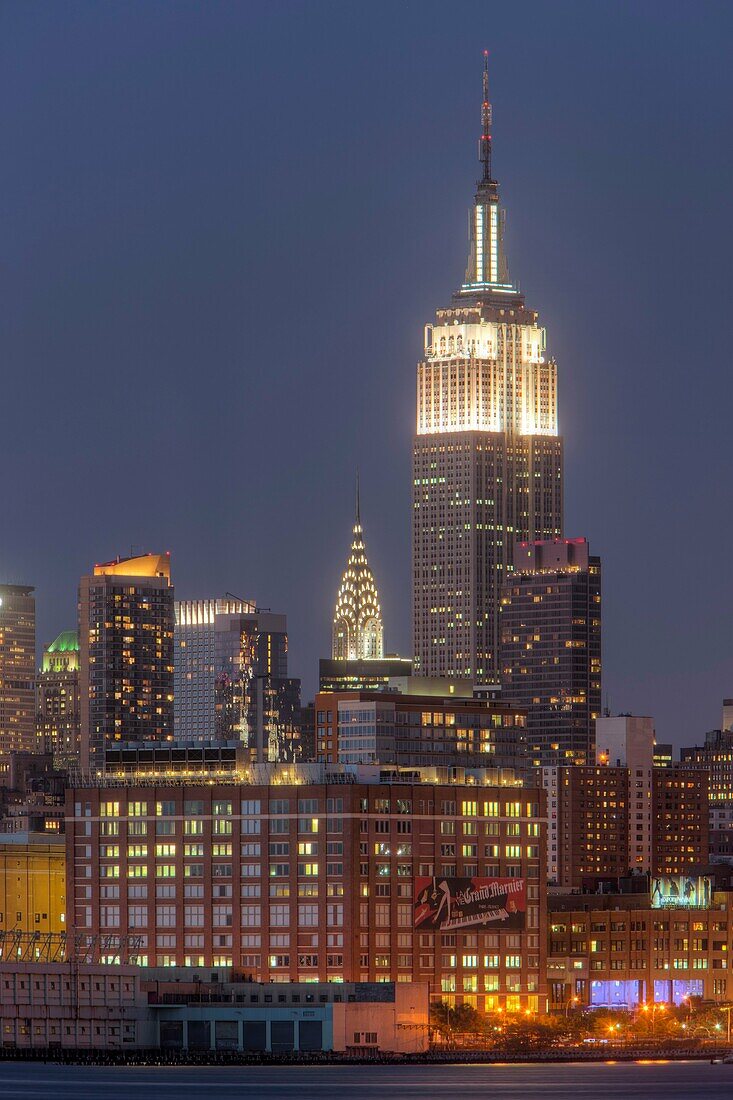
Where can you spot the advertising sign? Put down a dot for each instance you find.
(681, 892)
(445, 903)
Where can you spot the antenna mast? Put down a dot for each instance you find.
(486, 119)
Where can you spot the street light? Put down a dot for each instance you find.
(655, 1009)
(571, 1001)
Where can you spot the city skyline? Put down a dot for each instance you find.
(671, 662)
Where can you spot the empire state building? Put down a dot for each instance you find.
(487, 459)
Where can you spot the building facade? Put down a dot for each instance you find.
(627, 741)
(125, 655)
(195, 663)
(77, 1007)
(628, 950)
(88, 1006)
(255, 701)
(370, 675)
(294, 880)
(32, 793)
(235, 1015)
(32, 885)
(727, 719)
(17, 668)
(663, 754)
(487, 458)
(426, 731)
(550, 652)
(715, 757)
(57, 700)
(231, 678)
(681, 819)
(588, 825)
(609, 821)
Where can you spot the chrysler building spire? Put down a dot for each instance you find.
(357, 622)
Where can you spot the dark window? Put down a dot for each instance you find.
(282, 1035)
(311, 1035)
(255, 1035)
(199, 1035)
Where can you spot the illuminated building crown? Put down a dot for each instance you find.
(357, 622)
(484, 367)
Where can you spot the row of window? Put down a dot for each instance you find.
(281, 807)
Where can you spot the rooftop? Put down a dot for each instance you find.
(142, 565)
(315, 774)
(66, 642)
(16, 589)
(27, 839)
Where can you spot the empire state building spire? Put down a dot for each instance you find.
(487, 274)
(486, 120)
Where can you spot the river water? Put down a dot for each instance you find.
(667, 1080)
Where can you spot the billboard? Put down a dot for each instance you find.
(445, 903)
(681, 892)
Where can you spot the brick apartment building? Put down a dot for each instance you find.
(681, 819)
(621, 950)
(715, 757)
(341, 879)
(606, 821)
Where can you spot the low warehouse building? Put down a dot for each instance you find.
(84, 1006)
(281, 1018)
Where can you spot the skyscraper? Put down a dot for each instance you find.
(126, 654)
(231, 678)
(357, 621)
(550, 647)
(57, 695)
(487, 467)
(255, 701)
(195, 663)
(17, 668)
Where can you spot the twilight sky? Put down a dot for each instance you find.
(223, 228)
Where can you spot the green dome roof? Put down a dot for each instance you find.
(67, 642)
